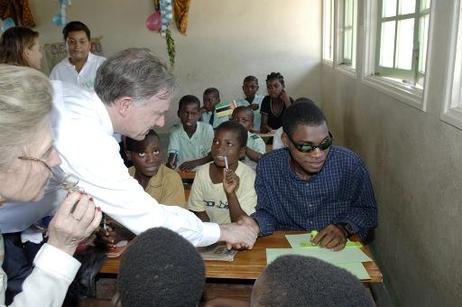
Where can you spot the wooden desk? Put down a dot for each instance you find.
(249, 264)
(187, 176)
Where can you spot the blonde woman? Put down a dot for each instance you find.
(26, 158)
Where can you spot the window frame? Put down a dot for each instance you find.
(328, 44)
(349, 66)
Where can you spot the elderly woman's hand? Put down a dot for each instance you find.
(68, 228)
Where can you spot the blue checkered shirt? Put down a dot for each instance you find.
(340, 193)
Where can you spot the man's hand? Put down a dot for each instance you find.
(238, 236)
(230, 181)
(331, 237)
(247, 220)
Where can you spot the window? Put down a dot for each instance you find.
(452, 110)
(348, 25)
(328, 30)
(402, 39)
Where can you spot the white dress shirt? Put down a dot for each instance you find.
(65, 71)
(83, 137)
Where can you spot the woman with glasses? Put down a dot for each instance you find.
(26, 158)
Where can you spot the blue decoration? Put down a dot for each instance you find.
(60, 18)
(6, 24)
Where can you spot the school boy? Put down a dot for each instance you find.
(211, 99)
(157, 180)
(252, 99)
(189, 141)
(223, 190)
(256, 147)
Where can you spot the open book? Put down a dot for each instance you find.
(217, 251)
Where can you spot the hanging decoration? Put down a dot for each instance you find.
(181, 10)
(16, 12)
(160, 21)
(60, 18)
(6, 24)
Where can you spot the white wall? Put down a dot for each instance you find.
(415, 161)
(226, 40)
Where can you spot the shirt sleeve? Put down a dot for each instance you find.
(173, 141)
(362, 214)
(248, 196)
(260, 145)
(93, 156)
(265, 106)
(48, 283)
(196, 198)
(263, 213)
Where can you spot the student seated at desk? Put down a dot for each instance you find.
(209, 115)
(162, 183)
(252, 99)
(294, 280)
(274, 105)
(313, 185)
(223, 190)
(190, 141)
(160, 268)
(256, 147)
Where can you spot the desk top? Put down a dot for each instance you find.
(249, 264)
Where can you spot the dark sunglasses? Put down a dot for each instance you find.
(309, 147)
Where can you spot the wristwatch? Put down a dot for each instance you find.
(346, 228)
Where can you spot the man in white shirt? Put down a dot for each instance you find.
(81, 65)
(133, 90)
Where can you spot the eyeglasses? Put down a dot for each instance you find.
(309, 147)
(59, 178)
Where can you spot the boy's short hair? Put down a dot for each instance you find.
(245, 109)
(294, 280)
(74, 26)
(302, 112)
(161, 268)
(237, 128)
(276, 76)
(187, 100)
(251, 79)
(212, 90)
(136, 146)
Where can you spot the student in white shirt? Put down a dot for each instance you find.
(81, 65)
(130, 101)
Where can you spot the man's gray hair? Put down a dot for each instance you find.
(135, 73)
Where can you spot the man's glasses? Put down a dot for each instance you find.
(309, 147)
(59, 178)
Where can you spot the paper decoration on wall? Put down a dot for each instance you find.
(19, 11)
(181, 10)
(153, 21)
(160, 20)
(6, 24)
(60, 18)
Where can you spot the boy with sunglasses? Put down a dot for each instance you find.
(312, 184)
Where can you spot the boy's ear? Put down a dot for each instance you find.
(178, 113)
(242, 151)
(285, 139)
(124, 105)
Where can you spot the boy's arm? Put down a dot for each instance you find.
(252, 154)
(230, 185)
(171, 162)
(264, 128)
(202, 215)
(190, 165)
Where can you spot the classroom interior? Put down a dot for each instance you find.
(409, 141)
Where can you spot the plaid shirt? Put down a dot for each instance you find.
(340, 193)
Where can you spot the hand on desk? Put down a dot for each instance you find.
(188, 166)
(331, 237)
(238, 236)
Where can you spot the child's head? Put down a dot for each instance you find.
(275, 84)
(294, 280)
(244, 116)
(161, 268)
(230, 140)
(211, 98)
(188, 110)
(146, 154)
(250, 86)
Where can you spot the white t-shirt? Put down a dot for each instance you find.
(65, 71)
(210, 197)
